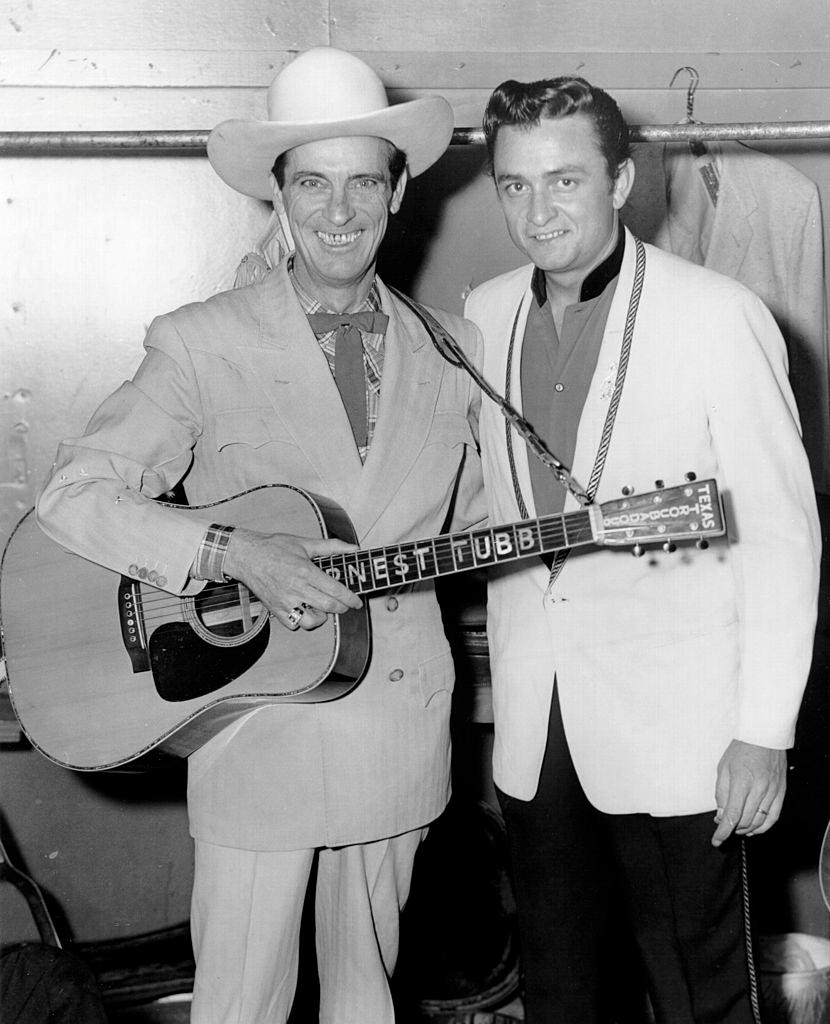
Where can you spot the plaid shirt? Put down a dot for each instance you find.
(373, 349)
(209, 561)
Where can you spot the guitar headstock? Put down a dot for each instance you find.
(690, 511)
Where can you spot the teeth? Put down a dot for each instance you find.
(340, 239)
(549, 235)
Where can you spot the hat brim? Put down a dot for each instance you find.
(243, 152)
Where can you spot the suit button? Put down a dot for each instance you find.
(161, 581)
(142, 573)
(391, 604)
(395, 675)
(152, 576)
(132, 569)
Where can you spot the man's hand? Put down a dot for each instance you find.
(750, 790)
(277, 567)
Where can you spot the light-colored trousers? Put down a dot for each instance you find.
(245, 922)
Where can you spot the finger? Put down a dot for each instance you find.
(312, 619)
(729, 817)
(756, 798)
(726, 826)
(330, 595)
(328, 546)
(769, 815)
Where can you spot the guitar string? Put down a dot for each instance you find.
(442, 559)
(439, 552)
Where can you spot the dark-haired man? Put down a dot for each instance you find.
(635, 700)
(249, 388)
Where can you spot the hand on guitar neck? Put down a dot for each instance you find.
(277, 568)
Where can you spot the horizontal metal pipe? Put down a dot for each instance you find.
(126, 142)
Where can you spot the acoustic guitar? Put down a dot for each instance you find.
(104, 668)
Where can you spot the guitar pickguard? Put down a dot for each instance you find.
(184, 666)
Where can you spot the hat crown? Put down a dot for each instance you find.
(325, 84)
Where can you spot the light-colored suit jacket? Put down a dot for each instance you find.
(765, 230)
(662, 660)
(235, 392)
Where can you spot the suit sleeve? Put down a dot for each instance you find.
(98, 502)
(771, 515)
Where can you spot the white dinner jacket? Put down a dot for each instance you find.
(660, 661)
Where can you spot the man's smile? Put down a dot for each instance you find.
(548, 236)
(346, 238)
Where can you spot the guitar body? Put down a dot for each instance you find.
(104, 669)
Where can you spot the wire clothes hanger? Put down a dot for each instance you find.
(696, 146)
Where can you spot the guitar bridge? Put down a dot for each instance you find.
(132, 624)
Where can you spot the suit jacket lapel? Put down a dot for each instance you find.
(513, 372)
(601, 389)
(291, 368)
(409, 391)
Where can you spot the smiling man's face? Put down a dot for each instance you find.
(558, 200)
(337, 195)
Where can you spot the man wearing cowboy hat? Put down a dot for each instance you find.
(251, 388)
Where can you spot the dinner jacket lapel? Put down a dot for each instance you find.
(513, 372)
(291, 368)
(601, 389)
(409, 392)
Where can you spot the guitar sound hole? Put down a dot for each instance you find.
(225, 614)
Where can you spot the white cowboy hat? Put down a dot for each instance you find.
(326, 93)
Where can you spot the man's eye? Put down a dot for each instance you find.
(311, 183)
(567, 182)
(365, 184)
(514, 188)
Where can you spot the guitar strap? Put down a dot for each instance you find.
(450, 350)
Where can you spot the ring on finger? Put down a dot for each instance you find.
(296, 614)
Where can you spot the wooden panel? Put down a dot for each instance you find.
(124, 109)
(486, 26)
(156, 25)
(409, 71)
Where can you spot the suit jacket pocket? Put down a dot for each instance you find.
(252, 427)
(450, 429)
(436, 676)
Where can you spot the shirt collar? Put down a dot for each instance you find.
(595, 283)
(311, 304)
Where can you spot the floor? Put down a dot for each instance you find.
(176, 1010)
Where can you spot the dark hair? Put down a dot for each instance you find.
(397, 163)
(524, 104)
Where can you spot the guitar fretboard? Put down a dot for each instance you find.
(379, 568)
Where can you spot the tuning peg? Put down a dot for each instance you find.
(659, 484)
(627, 490)
(702, 544)
(691, 476)
(638, 551)
(669, 547)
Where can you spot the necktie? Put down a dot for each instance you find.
(349, 373)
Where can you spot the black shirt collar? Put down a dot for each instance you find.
(595, 283)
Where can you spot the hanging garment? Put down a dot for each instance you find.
(757, 219)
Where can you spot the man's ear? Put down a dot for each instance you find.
(623, 184)
(397, 195)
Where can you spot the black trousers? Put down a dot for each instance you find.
(587, 884)
(41, 984)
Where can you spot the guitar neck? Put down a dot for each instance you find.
(379, 568)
